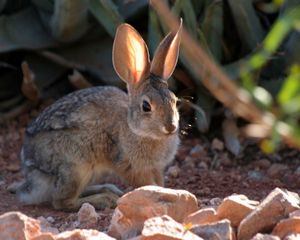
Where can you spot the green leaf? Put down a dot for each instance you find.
(213, 28)
(289, 95)
(190, 20)
(107, 14)
(69, 21)
(95, 56)
(2, 4)
(23, 30)
(247, 22)
(206, 104)
(46, 72)
(132, 9)
(155, 33)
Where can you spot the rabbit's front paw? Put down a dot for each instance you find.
(101, 200)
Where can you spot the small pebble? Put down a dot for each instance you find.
(50, 219)
(197, 151)
(215, 201)
(173, 171)
(87, 215)
(203, 165)
(276, 170)
(256, 175)
(262, 164)
(217, 144)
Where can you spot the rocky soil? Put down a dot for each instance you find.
(202, 166)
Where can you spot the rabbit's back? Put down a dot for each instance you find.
(78, 129)
(79, 109)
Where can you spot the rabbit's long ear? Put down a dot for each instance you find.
(130, 55)
(166, 55)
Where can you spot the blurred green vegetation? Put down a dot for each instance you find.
(257, 42)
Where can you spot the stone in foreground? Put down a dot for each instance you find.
(165, 228)
(202, 216)
(275, 207)
(236, 208)
(146, 202)
(286, 227)
(260, 236)
(220, 230)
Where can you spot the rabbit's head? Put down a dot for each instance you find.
(152, 106)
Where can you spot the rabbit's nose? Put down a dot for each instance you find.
(170, 128)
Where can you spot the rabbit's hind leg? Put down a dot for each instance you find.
(100, 196)
(67, 188)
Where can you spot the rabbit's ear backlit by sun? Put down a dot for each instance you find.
(166, 55)
(130, 55)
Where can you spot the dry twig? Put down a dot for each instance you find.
(218, 83)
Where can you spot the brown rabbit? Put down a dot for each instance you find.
(99, 129)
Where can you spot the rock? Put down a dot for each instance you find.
(190, 161)
(297, 171)
(295, 214)
(256, 175)
(276, 206)
(276, 170)
(82, 234)
(165, 228)
(260, 236)
(225, 160)
(214, 231)
(197, 152)
(46, 226)
(202, 216)
(215, 202)
(292, 237)
(87, 216)
(287, 226)
(217, 144)
(146, 202)
(235, 208)
(202, 165)
(15, 225)
(262, 164)
(173, 171)
(50, 219)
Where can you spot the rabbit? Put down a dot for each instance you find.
(91, 131)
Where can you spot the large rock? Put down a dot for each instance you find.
(15, 226)
(82, 234)
(202, 216)
(214, 231)
(286, 227)
(87, 216)
(260, 236)
(165, 228)
(236, 208)
(292, 237)
(45, 225)
(146, 202)
(275, 207)
(78, 234)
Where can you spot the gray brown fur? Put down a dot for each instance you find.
(95, 130)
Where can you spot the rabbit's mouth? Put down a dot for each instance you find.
(170, 129)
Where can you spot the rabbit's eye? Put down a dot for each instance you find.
(146, 106)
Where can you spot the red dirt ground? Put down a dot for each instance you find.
(199, 168)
